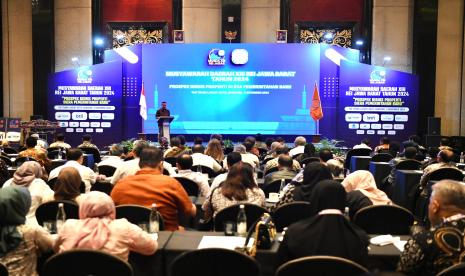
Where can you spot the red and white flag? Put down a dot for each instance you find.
(143, 103)
(316, 110)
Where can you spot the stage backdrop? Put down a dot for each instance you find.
(88, 100)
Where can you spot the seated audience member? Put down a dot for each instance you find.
(326, 231)
(39, 155)
(231, 159)
(259, 144)
(41, 143)
(247, 155)
(60, 142)
(361, 184)
(301, 191)
(132, 166)
(20, 244)
(201, 159)
(280, 149)
(87, 142)
(280, 140)
(325, 155)
(67, 186)
(445, 159)
(182, 140)
(149, 186)
(4, 174)
(364, 144)
(444, 144)
(272, 151)
(309, 151)
(250, 146)
(215, 151)
(383, 145)
(394, 148)
(431, 157)
(176, 149)
(430, 251)
(29, 175)
(239, 187)
(75, 159)
(269, 142)
(336, 166)
(97, 229)
(198, 141)
(217, 137)
(409, 154)
(284, 170)
(184, 165)
(114, 157)
(299, 145)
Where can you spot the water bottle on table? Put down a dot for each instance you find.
(241, 222)
(61, 217)
(154, 220)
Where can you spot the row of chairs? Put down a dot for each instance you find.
(209, 261)
(18, 161)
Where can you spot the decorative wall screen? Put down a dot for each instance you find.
(341, 35)
(131, 33)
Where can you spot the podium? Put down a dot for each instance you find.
(164, 122)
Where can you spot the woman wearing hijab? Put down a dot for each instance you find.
(362, 191)
(20, 244)
(309, 151)
(67, 185)
(326, 231)
(29, 175)
(97, 229)
(295, 191)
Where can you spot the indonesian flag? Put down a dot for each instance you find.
(143, 104)
(316, 111)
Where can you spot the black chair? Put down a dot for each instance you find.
(3, 270)
(79, 262)
(308, 160)
(381, 157)
(274, 186)
(455, 270)
(56, 148)
(137, 214)
(321, 265)
(129, 158)
(289, 213)
(51, 184)
(446, 173)
(252, 211)
(19, 161)
(214, 262)
(384, 219)
(355, 152)
(7, 160)
(267, 159)
(103, 187)
(408, 164)
(166, 172)
(47, 211)
(106, 170)
(206, 170)
(95, 152)
(190, 186)
(53, 154)
(9, 150)
(271, 170)
(171, 160)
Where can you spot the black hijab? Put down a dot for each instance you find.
(326, 234)
(313, 173)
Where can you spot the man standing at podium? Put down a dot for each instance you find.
(163, 111)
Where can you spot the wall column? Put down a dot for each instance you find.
(73, 33)
(393, 33)
(449, 67)
(201, 20)
(260, 20)
(17, 58)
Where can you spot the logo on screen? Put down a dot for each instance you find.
(216, 57)
(378, 77)
(239, 56)
(84, 75)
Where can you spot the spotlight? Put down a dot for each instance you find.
(120, 36)
(74, 59)
(328, 36)
(387, 58)
(98, 41)
(359, 42)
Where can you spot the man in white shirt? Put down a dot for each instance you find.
(199, 158)
(132, 166)
(75, 158)
(247, 157)
(365, 144)
(299, 144)
(60, 142)
(184, 165)
(231, 159)
(112, 160)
